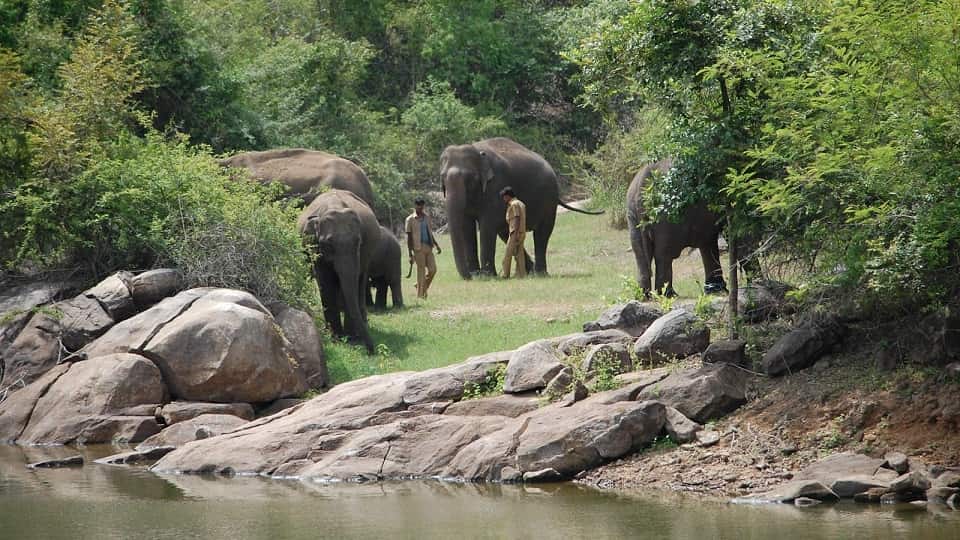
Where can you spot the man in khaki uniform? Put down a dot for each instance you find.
(517, 223)
(420, 244)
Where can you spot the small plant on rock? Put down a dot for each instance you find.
(492, 384)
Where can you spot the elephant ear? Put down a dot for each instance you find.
(444, 160)
(486, 170)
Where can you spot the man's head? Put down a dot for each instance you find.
(507, 194)
(418, 204)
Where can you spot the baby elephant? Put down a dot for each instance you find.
(385, 270)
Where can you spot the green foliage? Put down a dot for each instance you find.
(662, 443)
(492, 384)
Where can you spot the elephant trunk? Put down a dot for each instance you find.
(349, 275)
(463, 239)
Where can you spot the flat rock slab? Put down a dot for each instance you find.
(181, 411)
(848, 486)
(201, 427)
(846, 464)
(136, 457)
(509, 405)
(72, 461)
(789, 492)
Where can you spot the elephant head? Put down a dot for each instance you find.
(465, 175)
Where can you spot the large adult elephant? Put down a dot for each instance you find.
(304, 172)
(662, 241)
(342, 233)
(472, 176)
(385, 271)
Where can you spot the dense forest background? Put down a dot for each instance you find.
(826, 131)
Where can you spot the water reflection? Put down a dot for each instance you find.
(99, 501)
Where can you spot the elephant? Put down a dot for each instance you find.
(342, 233)
(472, 176)
(662, 241)
(304, 172)
(385, 270)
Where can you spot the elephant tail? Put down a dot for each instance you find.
(582, 211)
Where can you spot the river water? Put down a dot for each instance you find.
(104, 502)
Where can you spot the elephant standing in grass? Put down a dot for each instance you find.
(342, 233)
(472, 176)
(662, 241)
(386, 270)
(305, 172)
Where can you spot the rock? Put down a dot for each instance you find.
(872, 495)
(181, 433)
(790, 491)
(727, 351)
(633, 317)
(136, 457)
(846, 464)
(220, 350)
(680, 428)
(16, 410)
(896, 461)
(613, 357)
(940, 495)
(806, 501)
(701, 394)
(449, 383)
(567, 440)
(279, 405)
(72, 461)
(952, 369)
(543, 475)
(889, 498)
(531, 367)
(153, 286)
(954, 501)
(114, 295)
(911, 482)
(801, 347)
(936, 338)
(181, 411)
(299, 329)
(17, 305)
(81, 405)
(677, 334)
(761, 300)
(74, 323)
(560, 383)
(579, 392)
(134, 334)
(885, 475)
(948, 479)
(576, 343)
(848, 486)
(631, 385)
(707, 438)
(509, 405)
(362, 430)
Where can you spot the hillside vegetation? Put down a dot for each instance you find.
(823, 132)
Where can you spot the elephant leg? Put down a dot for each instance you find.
(329, 296)
(488, 247)
(712, 267)
(664, 274)
(381, 302)
(641, 253)
(395, 288)
(371, 285)
(541, 237)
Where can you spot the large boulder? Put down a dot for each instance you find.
(450, 383)
(225, 352)
(307, 346)
(532, 367)
(701, 394)
(726, 351)
(18, 303)
(113, 293)
(153, 286)
(632, 317)
(82, 405)
(51, 336)
(761, 300)
(577, 343)
(677, 334)
(16, 409)
(614, 358)
(802, 347)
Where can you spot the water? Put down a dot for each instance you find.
(103, 502)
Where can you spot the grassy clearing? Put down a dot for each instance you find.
(588, 262)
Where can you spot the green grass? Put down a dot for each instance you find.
(587, 261)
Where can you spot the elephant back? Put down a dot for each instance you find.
(638, 186)
(304, 171)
